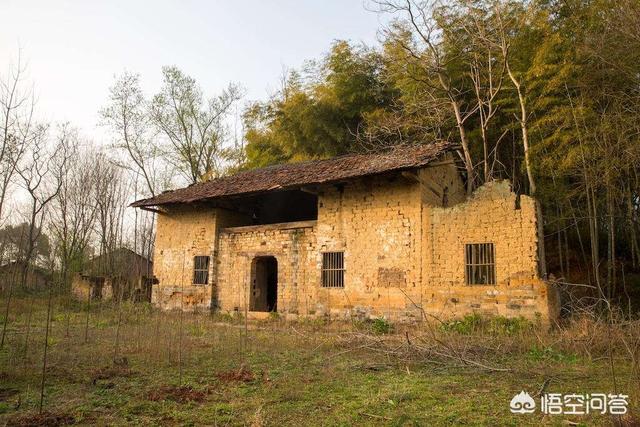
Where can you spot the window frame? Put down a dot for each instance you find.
(196, 279)
(332, 276)
(480, 259)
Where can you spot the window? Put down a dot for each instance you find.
(480, 264)
(333, 269)
(200, 270)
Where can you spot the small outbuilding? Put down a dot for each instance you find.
(120, 274)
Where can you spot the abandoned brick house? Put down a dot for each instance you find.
(389, 234)
(121, 273)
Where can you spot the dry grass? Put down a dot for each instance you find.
(204, 369)
(244, 374)
(44, 419)
(181, 394)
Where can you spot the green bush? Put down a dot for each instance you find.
(504, 326)
(496, 325)
(381, 326)
(469, 324)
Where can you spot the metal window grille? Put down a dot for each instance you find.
(200, 270)
(480, 264)
(333, 269)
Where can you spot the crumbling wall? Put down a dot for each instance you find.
(100, 288)
(403, 240)
(80, 287)
(491, 215)
(441, 184)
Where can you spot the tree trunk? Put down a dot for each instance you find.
(468, 163)
(542, 266)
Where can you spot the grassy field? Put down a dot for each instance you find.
(133, 365)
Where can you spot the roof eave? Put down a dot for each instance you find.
(149, 204)
(142, 204)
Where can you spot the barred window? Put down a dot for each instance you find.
(480, 264)
(200, 270)
(333, 269)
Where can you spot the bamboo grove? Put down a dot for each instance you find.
(543, 93)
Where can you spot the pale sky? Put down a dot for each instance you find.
(73, 49)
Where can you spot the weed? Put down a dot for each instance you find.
(110, 372)
(381, 326)
(550, 354)
(6, 393)
(196, 330)
(223, 318)
(312, 323)
(274, 315)
(58, 317)
(495, 325)
(466, 325)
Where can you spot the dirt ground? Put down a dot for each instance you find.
(130, 364)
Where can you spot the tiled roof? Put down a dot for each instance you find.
(292, 175)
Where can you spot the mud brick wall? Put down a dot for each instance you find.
(294, 247)
(376, 222)
(441, 185)
(181, 234)
(81, 287)
(490, 215)
(403, 240)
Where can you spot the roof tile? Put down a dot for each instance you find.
(291, 175)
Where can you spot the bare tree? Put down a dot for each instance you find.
(126, 115)
(42, 178)
(487, 71)
(422, 38)
(194, 127)
(74, 213)
(16, 113)
(523, 119)
(110, 198)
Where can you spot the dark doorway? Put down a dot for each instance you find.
(264, 284)
(97, 286)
